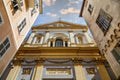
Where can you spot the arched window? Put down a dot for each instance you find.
(59, 43)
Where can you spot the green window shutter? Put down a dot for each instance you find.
(116, 54)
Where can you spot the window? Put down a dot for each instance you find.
(22, 25)
(4, 46)
(33, 11)
(16, 5)
(103, 21)
(116, 52)
(1, 19)
(59, 43)
(90, 8)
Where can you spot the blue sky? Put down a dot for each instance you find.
(67, 10)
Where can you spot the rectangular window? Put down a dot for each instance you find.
(4, 46)
(1, 19)
(116, 52)
(90, 8)
(103, 21)
(16, 5)
(22, 25)
(33, 11)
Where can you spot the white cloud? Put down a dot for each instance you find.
(49, 2)
(76, 2)
(51, 14)
(69, 10)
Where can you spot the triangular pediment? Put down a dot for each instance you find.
(60, 25)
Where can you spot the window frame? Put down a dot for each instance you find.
(21, 26)
(90, 8)
(17, 6)
(6, 46)
(116, 52)
(104, 21)
(58, 42)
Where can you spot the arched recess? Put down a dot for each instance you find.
(39, 38)
(58, 40)
(79, 38)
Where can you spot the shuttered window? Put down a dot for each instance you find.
(116, 52)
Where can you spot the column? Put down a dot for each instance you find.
(34, 40)
(30, 38)
(63, 43)
(71, 37)
(46, 36)
(13, 73)
(49, 43)
(78, 72)
(102, 71)
(41, 41)
(68, 43)
(76, 39)
(37, 75)
(54, 43)
(87, 37)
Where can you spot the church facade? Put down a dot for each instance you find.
(58, 50)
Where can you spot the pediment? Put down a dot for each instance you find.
(60, 25)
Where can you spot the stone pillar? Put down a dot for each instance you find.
(49, 43)
(71, 37)
(46, 36)
(34, 40)
(78, 72)
(102, 71)
(87, 37)
(68, 43)
(31, 38)
(13, 73)
(76, 39)
(63, 43)
(41, 41)
(38, 71)
(54, 43)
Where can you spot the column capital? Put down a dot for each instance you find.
(76, 61)
(40, 61)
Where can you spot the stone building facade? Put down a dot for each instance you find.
(103, 19)
(58, 50)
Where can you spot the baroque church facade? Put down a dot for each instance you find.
(58, 50)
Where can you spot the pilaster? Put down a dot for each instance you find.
(87, 37)
(38, 70)
(46, 36)
(102, 71)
